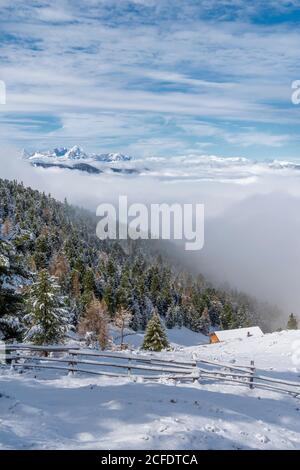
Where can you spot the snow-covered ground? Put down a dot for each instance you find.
(179, 338)
(55, 411)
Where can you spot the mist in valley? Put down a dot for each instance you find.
(251, 228)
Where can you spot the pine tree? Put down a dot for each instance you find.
(170, 318)
(42, 251)
(75, 284)
(174, 317)
(195, 319)
(241, 318)
(109, 296)
(292, 323)
(89, 281)
(226, 317)
(124, 292)
(47, 318)
(164, 300)
(137, 317)
(147, 310)
(11, 300)
(155, 337)
(215, 310)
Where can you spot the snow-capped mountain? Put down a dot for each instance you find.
(112, 157)
(76, 159)
(60, 154)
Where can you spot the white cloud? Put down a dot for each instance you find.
(246, 139)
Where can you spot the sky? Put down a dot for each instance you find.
(152, 77)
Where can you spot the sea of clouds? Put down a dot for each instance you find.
(252, 221)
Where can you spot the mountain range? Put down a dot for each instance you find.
(76, 159)
(178, 168)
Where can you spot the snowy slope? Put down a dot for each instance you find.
(274, 351)
(179, 338)
(58, 412)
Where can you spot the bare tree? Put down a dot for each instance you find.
(59, 266)
(6, 227)
(122, 320)
(94, 324)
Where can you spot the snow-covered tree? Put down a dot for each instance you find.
(241, 317)
(195, 319)
(226, 317)
(155, 337)
(174, 317)
(170, 318)
(147, 309)
(137, 316)
(47, 317)
(292, 323)
(10, 296)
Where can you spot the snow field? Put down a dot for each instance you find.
(50, 410)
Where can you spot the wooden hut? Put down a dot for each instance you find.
(238, 333)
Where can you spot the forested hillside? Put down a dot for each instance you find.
(38, 233)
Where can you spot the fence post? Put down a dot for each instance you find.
(72, 365)
(251, 385)
(129, 368)
(14, 361)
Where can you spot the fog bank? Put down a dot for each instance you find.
(252, 226)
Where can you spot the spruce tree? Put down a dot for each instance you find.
(89, 281)
(109, 296)
(226, 317)
(47, 317)
(155, 337)
(195, 319)
(292, 323)
(174, 317)
(136, 320)
(170, 318)
(11, 300)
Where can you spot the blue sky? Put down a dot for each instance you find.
(152, 77)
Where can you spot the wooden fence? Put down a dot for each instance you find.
(75, 360)
(151, 367)
(245, 375)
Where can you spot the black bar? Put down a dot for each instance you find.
(137, 458)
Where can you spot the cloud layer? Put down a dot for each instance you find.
(252, 220)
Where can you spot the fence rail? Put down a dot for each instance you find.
(75, 360)
(153, 367)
